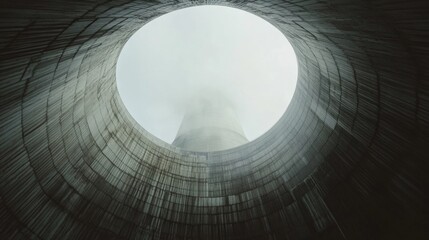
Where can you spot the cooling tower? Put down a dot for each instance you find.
(347, 160)
(210, 124)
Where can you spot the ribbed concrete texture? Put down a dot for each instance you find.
(348, 159)
(210, 124)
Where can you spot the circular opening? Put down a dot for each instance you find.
(207, 70)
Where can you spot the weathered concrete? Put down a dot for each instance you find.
(348, 160)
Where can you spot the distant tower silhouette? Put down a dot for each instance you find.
(210, 124)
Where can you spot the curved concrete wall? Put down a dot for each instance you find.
(348, 160)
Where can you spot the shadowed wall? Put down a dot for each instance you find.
(348, 160)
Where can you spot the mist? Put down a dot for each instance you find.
(218, 53)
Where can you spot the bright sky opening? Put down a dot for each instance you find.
(206, 50)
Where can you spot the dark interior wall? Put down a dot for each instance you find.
(348, 160)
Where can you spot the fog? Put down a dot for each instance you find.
(206, 52)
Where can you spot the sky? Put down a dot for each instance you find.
(204, 50)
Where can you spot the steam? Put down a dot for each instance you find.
(206, 55)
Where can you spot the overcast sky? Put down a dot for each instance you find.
(205, 50)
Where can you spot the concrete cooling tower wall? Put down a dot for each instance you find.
(347, 160)
(210, 124)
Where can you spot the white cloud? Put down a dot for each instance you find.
(181, 53)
